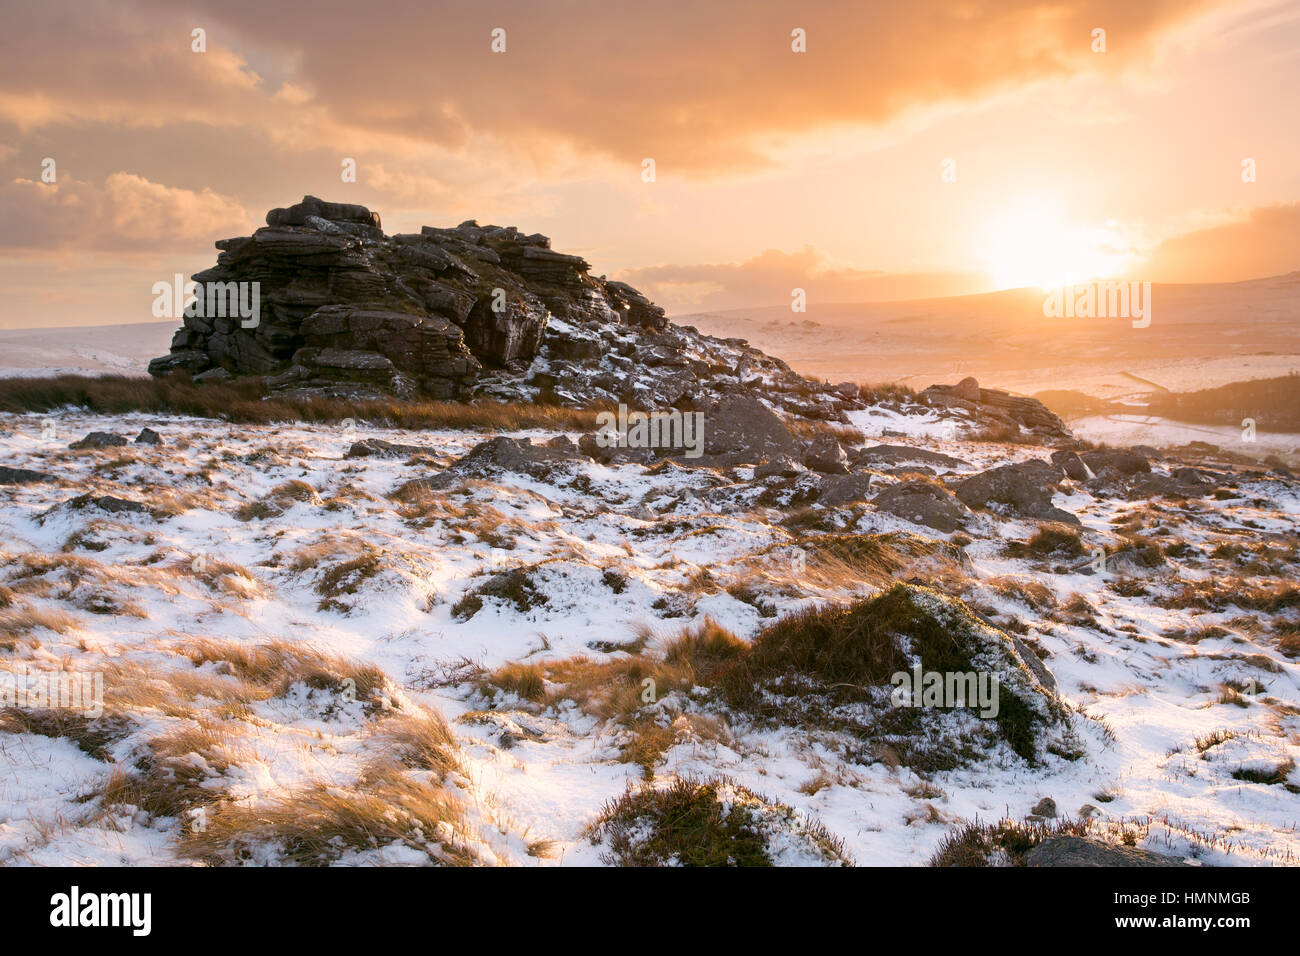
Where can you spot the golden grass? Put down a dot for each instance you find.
(249, 402)
(316, 825)
(279, 664)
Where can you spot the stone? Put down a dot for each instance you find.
(1019, 491)
(109, 503)
(836, 491)
(148, 436)
(906, 454)
(502, 454)
(740, 429)
(826, 455)
(968, 389)
(1045, 807)
(100, 440)
(993, 407)
(378, 448)
(1073, 466)
(1115, 463)
(924, 503)
(782, 466)
(23, 476)
(213, 376)
(1091, 852)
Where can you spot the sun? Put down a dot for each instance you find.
(1033, 245)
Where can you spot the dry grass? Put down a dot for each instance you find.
(346, 578)
(280, 499)
(278, 665)
(16, 622)
(618, 688)
(1031, 592)
(173, 778)
(249, 402)
(810, 428)
(1221, 593)
(831, 565)
(703, 823)
(93, 736)
(1050, 540)
(317, 825)
(982, 844)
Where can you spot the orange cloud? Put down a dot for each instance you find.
(698, 87)
(1265, 242)
(770, 278)
(127, 214)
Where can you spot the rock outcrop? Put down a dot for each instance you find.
(991, 407)
(343, 304)
(1023, 490)
(345, 310)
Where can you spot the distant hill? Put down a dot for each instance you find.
(1200, 335)
(121, 349)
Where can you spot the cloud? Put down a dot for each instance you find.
(127, 214)
(770, 278)
(699, 87)
(1265, 241)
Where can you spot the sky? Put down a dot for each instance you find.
(859, 151)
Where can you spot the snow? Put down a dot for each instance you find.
(1155, 694)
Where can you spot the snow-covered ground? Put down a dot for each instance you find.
(1124, 430)
(126, 594)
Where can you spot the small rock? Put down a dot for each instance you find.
(22, 476)
(109, 503)
(378, 448)
(99, 440)
(826, 455)
(213, 376)
(781, 466)
(148, 436)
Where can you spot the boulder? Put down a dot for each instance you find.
(1112, 464)
(491, 458)
(968, 389)
(378, 448)
(1073, 466)
(875, 455)
(100, 440)
(1020, 490)
(836, 491)
(109, 503)
(993, 407)
(1090, 852)
(781, 466)
(924, 503)
(23, 476)
(148, 436)
(740, 429)
(826, 455)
